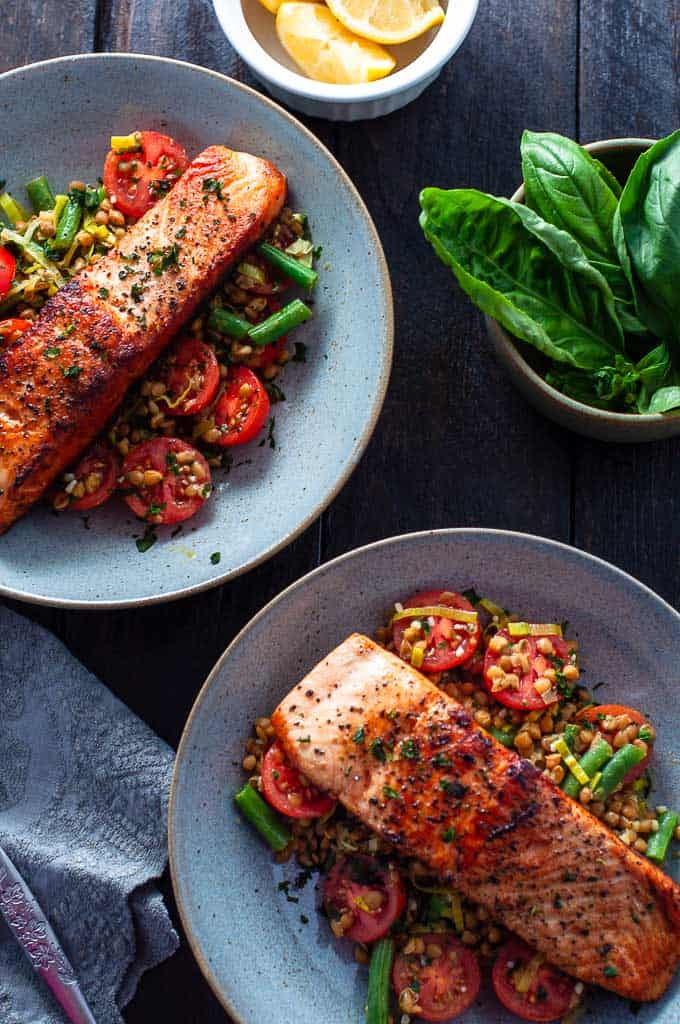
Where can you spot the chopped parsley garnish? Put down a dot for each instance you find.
(103, 293)
(181, 233)
(449, 835)
(305, 739)
(212, 185)
(390, 793)
(441, 761)
(300, 354)
(359, 735)
(409, 750)
(171, 463)
(161, 259)
(215, 557)
(72, 371)
(610, 971)
(447, 786)
(52, 352)
(304, 919)
(155, 510)
(377, 748)
(136, 292)
(284, 888)
(147, 541)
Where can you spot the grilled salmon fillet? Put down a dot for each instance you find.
(63, 379)
(364, 724)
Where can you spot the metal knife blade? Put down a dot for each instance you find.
(32, 930)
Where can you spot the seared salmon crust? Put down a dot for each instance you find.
(63, 379)
(411, 763)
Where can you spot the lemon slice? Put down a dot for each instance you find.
(388, 21)
(325, 50)
(273, 5)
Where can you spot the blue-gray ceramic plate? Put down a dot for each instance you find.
(263, 961)
(57, 118)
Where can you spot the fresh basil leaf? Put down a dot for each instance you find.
(527, 274)
(608, 178)
(654, 369)
(649, 212)
(566, 187)
(613, 387)
(665, 400)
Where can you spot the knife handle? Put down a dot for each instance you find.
(34, 934)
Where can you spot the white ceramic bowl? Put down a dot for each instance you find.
(251, 31)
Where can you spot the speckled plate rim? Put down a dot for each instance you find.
(622, 578)
(387, 344)
(523, 367)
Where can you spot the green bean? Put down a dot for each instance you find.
(504, 736)
(616, 770)
(378, 1001)
(69, 223)
(591, 762)
(658, 842)
(288, 265)
(266, 821)
(279, 323)
(13, 209)
(40, 193)
(224, 322)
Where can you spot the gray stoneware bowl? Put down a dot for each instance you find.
(619, 155)
(57, 117)
(263, 962)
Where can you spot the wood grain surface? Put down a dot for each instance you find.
(456, 445)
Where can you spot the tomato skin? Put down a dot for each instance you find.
(158, 164)
(350, 879)
(440, 659)
(193, 361)
(448, 984)
(13, 327)
(8, 266)
(277, 773)
(167, 496)
(526, 698)
(98, 460)
(593, 714)
(552, 991)
(250, 414)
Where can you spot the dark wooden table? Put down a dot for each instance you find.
(455, 446)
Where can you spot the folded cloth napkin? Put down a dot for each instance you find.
(83, 810)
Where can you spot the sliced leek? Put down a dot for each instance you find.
(534, 629)
(436, 611)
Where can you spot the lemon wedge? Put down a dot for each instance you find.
(273, 5)
(388, 21)
(325, 50)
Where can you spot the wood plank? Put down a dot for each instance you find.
(456, 445)
(37, 29)
(628, 497)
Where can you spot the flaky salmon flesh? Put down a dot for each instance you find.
(364, 723)
(109, 324)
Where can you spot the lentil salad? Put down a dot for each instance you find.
(214, 388)
(522, 683)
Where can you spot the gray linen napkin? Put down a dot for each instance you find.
(83, 812)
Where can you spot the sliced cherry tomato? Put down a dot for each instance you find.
(286, 791)
(362, 898)
(449, 643)
(521, 693)
(242, 408)
(192, 376)
(446, 980)
(146, 174)
(597, 715)
(98, 470)
(180, 492)
(13, 328)
(8, 266)
(549, 994)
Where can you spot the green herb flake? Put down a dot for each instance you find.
(161, 259)
(172, 464)
(215, 557)
(136, 292)
(147, 541)
(305, 739)
(377, 748)
(72, 371)
(52, 352)
(103, 293)
(610, 971)
(409, 750)
(390, 793)
(441, 761)
(359, 735)
(449, 835)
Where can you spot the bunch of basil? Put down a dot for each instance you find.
(586, 272)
